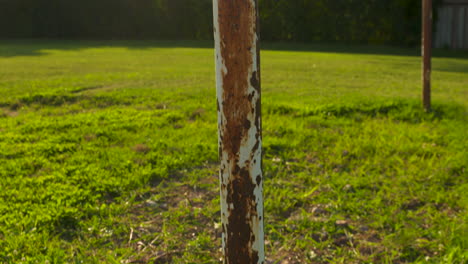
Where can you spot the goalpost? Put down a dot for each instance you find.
(239, 126)
(426, 50)
(237, 58)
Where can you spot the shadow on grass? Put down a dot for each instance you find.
(57, 100)
(37, 47)
(403, 110)
(409, 111)
(363, 49)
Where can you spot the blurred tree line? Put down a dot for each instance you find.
(357, 21)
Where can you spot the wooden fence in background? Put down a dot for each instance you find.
(452, 25)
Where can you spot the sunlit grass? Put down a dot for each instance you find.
(108, 154)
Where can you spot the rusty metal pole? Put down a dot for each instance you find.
(426, 53)
(239, 125)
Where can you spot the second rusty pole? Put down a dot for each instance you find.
(426, 53)
(239, 125)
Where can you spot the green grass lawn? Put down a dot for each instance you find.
(108, 154)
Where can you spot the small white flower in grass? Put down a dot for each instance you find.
(311, 254)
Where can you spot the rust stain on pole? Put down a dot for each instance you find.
(426, 52)
(239, 125)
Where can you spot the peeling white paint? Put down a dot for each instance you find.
(247, 152)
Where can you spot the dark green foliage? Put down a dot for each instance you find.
(350, 21)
